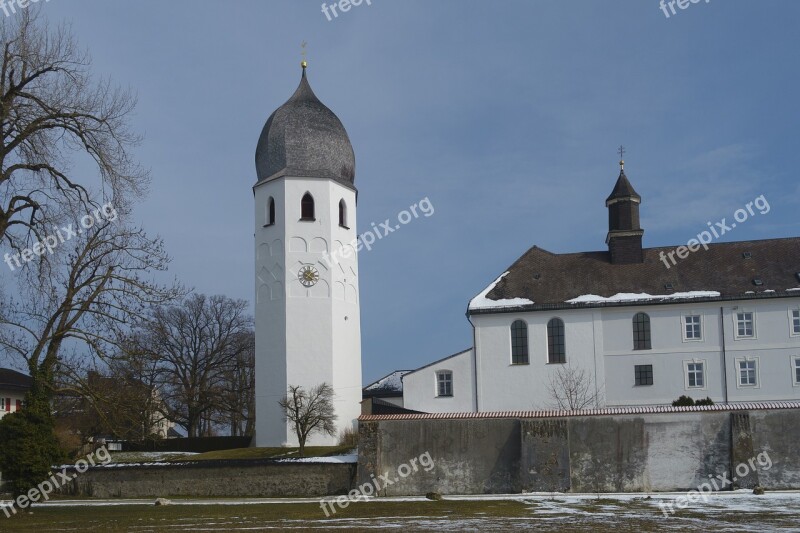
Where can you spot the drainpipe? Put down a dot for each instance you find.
(724, 355)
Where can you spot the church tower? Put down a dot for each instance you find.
(624, 232)
(308, 322)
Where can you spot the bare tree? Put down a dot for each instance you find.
(310, 411)
(52, 110)
(572, 389)
(194, 345)
(91, 294)
(236, 408)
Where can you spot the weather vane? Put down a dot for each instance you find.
(621, 152)
(303, 63)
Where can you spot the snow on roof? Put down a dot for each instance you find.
(392, 382)
(482, 302)
(633, 297)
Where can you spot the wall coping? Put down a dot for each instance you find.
(611, 411)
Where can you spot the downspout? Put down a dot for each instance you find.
(474, 357)
(724, 355)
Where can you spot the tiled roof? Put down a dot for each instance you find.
(13, 380)
(550, 280)
(613, 411)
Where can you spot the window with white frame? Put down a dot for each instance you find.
(695, 375)
(748, 372)
(795, 320)
(444, 383)
(692, 328)
(745, 324)
(796, 370)
(2, 404)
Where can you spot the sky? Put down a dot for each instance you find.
(505, 115)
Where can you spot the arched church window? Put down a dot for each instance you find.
(641, 331)
(556, 344)
(519, 343)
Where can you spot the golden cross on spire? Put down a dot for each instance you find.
(303, 63)
(621, 152)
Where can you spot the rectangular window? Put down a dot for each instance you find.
(748, 373)
(695, 375)
(643, 374)
(693, 330)
(2, 404)
(444, 382)
(795, 321)
(744, 324)
(796, 370)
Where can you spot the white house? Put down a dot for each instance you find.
(307, 316)
(13, 387)
(720, 321)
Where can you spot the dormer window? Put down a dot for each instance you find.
(747, 255)
(758, 282)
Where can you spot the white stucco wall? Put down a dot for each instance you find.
(600, 341)
(420, 386)
(305, 336)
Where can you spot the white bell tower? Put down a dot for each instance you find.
(308, 322)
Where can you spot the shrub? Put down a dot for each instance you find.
(683, 401)
(707, 401)
(349, 437)
(30, 448)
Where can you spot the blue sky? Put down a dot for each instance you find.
(506, 115)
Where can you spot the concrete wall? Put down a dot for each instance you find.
(215, 479)
(675, 451)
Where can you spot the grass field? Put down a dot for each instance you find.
(569, 513)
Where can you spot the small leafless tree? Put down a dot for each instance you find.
(52, 111)
(195, 345)
(310, 411)
(572, 389)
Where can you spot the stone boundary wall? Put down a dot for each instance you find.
(214, 479)
(668, 450)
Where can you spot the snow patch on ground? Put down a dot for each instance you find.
(482, 302)
(338, 459)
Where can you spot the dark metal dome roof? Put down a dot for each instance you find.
(306, 139)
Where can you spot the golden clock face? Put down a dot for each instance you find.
(308, 276)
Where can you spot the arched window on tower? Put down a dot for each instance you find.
(307, 207)
(271, 211)
(343, 214)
